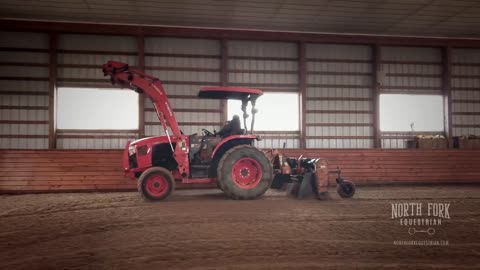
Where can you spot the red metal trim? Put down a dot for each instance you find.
(412, 88)
(233, 137)
(412, 92)
(466, 125)
(466, 64)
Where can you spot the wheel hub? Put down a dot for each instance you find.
(247, 173)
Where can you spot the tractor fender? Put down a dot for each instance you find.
(231, 138)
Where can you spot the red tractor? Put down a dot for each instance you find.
(227, 157)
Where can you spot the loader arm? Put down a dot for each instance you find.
(124, 76)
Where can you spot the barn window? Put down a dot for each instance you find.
(411, 113)
(93, 108)
(276, 111)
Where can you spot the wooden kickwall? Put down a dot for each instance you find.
(32, 171)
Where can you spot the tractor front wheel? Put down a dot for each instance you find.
(244, 173)
(156, 184)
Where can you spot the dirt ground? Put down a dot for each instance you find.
(201, 229)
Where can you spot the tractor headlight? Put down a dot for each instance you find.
(131, 150)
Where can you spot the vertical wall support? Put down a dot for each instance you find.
(446, 89)
(52, 89)
(141, 98)
(302, 85)
(224, 78)
(376, 89)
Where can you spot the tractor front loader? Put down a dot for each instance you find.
(227, 157)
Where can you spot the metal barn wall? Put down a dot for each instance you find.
(409, 70)
(184, 66)
(79, 58)
(339, 107)
(272, 67)
(465, 86)
(24, 86)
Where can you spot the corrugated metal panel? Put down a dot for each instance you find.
(262, 65)
(24, 40)
(181, 62)
(270, 66)
(183, 75)
(391, 53)
(342, 75)
(79, 62)
(95, 143)
(411, 69)
(97, 43)
(23, 87)
(466, 92)
(337, 51)
(262, 49)
(182, 46)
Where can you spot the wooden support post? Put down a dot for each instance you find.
(52, 90)
(141, 98)
(224, 78)
(376, 89)
(302, 85)
(446, 89)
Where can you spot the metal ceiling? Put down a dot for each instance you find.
(440, 18)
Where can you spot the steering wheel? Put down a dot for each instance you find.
(207, 133)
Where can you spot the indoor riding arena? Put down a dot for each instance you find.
(248, 134)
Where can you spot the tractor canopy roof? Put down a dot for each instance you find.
(225, 92)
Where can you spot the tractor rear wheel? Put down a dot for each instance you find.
(244, 173)
(156, 184)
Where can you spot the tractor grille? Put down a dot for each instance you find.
(132, 161)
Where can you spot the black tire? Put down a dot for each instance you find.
(160, 189)
(243, 160)
(346, 189)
